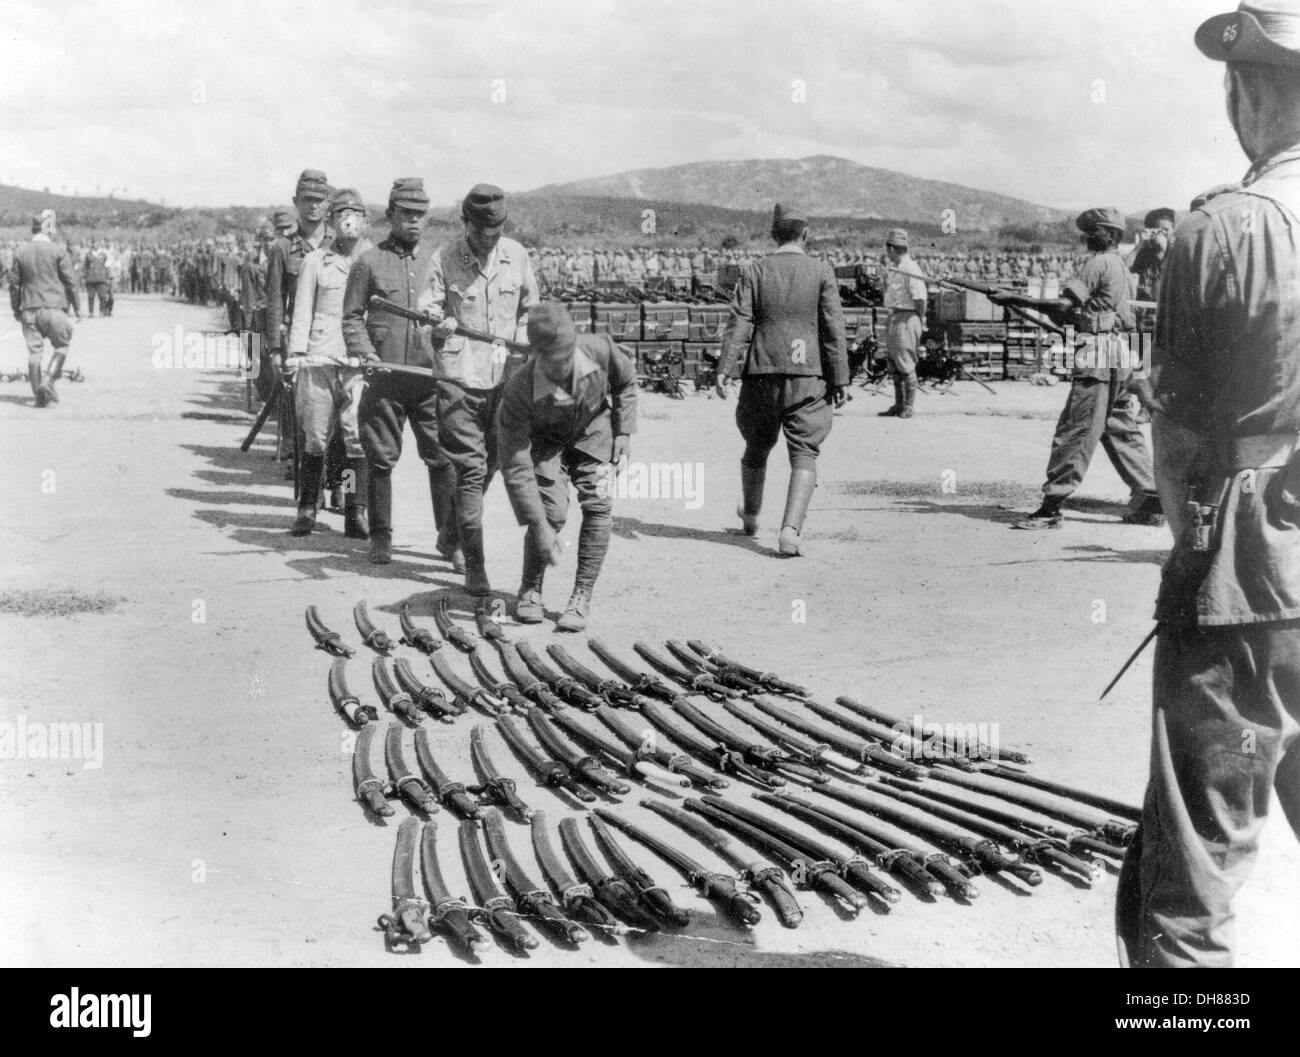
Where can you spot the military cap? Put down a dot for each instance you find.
(485, 205)
(1156, 215)
(284, 218)
(346, 198)
(550, 327)
(408, 191)
(1102, 217)
(312, 182)
(784, 213)
(1266, 31)
(896, 237)
(265, 227)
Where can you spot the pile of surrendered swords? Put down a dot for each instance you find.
(784, 791)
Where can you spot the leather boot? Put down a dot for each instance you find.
(336, 462)
(751, 487)
(379, 492)
(442, 494)
(53, 375)
(909, 396)
(310, 468)
(528, 607)
(802, 483)
(574, 617)
(38, 384)
(898, 400)
(354, 503)
(476, 578)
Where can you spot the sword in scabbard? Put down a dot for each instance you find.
(853, 868)
(639, 682)
(646, 744)
(716, 887)
(531, 899)
(420, 638)
(954, 748)
(632, 763)
(551, 772)
(382, 304)
(268, 408)
(613, 691)
(652, 895)
(449, 913)
(712, 752)
(329, 641)
(410, 787)
(610, 890)
(429, 698)
(763, 875)
(568, 689)
(465, 693)
(494, 788)
(457, 636)
(1103, 803)
(372, 791)
(398, 701)
(814, 873)
(813, 753)
(407, 925)
(586, 768)
(495, 908)
(487, 627)
(451, 794)
(577, 898)
(502, 688)
(849, 743)
(343, 699)
(519, 673)
(693, 682)
(765, 756)
(767, 680)
(728, 677)
(370, 635)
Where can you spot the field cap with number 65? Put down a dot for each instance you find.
(1266, 31)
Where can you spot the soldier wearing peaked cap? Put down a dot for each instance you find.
(787, 328)
(1225, 398)
(486, 282)
(905, 298)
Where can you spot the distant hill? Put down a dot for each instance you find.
(18, 205)
(824, 185)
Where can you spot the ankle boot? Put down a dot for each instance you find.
(528, 607)
(476, 578)
(574, 617)
(309, 469)
(354, 505)
(379, 492)
(802, 483)
(751, 487)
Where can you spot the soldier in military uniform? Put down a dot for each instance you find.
(787, 322)
(566, 416)
(905, 299)
(252, 303)
(42, 287)
(486, 282)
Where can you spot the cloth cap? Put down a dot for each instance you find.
(896, 237)
(1156, 215)
(265, 228)
(284, 218)
(346, 198)
(785, 212)
(312, 183)
(550, 327)
(408, 191)
(1265, 31)
(1102, 217)
(484, 206)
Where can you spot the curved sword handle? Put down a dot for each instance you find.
(772, 882)
(453, 916)
(502, 791)
(652, 772)
(957, 883)
(542, 906)
(372, 792)
(407, 925)
(329, 641)
(499, 916)
(581, 903)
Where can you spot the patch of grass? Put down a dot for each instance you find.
(56, 602)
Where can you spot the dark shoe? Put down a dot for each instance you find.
(893, 412)
(905, 413)
(305, 521)
(528, 608)
(574, 617)
(354, 523)
(1045, 517)
(51, 394)
(381, 548)
(476, 578)
(42, 397)
(751, 486)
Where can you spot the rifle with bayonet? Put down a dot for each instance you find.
(464, 692)
(652, 895)
(767, 680)
(382, 304)
(1018, 303)
(531, 899)
(371, 636)
(449, 913)
(457, 636)
(372, 791)
(613, 892)
(451, 794)
(329, 641)
(407, 925)
(415, 636)
(493, 788)
(552, 773)
(716, 887)
(564, 687)
(429, 698)
(394, 698)
(765, 876)
(409, 786)
(347, 703)
(577, 898)
(495, 908)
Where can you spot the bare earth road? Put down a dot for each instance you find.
(221, 827)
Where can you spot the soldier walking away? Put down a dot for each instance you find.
(396, 270)
(905, 298)
(1225, 394)
(486, 282)
(1097, 304)
(566, 415)
(787, 320)
(41, 290)
(327, 390)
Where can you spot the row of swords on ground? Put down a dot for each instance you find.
(932, 826)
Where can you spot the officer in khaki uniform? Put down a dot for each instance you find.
(905, 298)
(42, 287)
(486, 282)
(787, 322)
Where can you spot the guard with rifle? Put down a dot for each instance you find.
(327, 389)
(1096, 303)
(905, 299)
(395, 270)
(566, 415)
(787, 320)
(486, 283)
(1225, 397)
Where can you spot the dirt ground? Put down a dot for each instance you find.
(221, 828)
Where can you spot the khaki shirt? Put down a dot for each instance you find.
(317, 329)
(905, 286)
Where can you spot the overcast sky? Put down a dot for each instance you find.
(213, 102)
